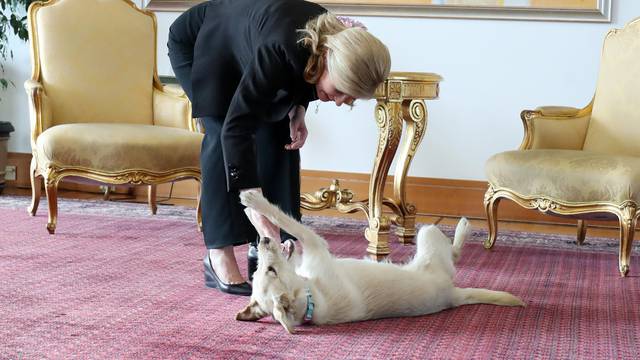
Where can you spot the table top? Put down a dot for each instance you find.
(414, 76)
(401, 86)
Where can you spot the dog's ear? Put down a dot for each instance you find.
(281, 307)
(288, 247)
(251, 312)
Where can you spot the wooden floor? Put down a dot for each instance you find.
(599, 231)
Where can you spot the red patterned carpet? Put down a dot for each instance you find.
(115, 283)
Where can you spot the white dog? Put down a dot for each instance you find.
(323, 289)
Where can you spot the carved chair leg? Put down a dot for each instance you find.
(582, 231)
(36, 188)
(627, 229)
(491, 203)
(151, 193)
(107, 193)
(51, 188)
(199, 211)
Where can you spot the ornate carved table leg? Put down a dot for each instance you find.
(389, 120)
(414, 114)
(400, 100)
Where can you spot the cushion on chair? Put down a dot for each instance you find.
(613, 128)
(100, 66)
(118, 147)
(567, 175)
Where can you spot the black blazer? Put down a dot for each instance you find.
(247, 67)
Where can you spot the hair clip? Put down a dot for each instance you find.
(349, 22)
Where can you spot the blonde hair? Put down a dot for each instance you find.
(357, 61)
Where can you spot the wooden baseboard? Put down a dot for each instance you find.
(433, 196)
(22, 162)
(438, 197)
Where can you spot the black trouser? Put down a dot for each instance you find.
(223, 219)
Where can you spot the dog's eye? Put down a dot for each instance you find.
(270, 268)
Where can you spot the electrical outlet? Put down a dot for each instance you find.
(10, 173)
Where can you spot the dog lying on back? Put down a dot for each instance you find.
(318, 288)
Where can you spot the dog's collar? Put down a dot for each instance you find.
(308, 314)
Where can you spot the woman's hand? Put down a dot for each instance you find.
(297, 128)
(263, 226)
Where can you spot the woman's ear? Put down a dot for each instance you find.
(281, 306)
(251, 312)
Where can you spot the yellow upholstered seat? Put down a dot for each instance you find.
(98, 109)
(583, 163)
(571, 175)
(113, 147)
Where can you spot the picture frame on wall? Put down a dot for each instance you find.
(540, 10)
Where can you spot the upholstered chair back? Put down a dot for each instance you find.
(614, 127)
(98, 64)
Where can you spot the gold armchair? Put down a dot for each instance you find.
(97, 107)
(582, 163)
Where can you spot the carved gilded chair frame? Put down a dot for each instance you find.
(626, 212)
(54, 173)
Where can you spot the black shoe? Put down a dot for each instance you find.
(211, 280)
(252, 260)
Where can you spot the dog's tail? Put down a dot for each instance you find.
(465, 296)
(462, 233)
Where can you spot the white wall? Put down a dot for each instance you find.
(13, 104)
(492, 70)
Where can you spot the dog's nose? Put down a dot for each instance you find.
(265, 240)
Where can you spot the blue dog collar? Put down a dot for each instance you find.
(308, 314)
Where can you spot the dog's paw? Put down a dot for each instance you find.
(252, 198)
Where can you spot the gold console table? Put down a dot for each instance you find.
(400, 106)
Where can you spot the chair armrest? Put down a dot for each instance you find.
(555, 127)
(558, 111)
(174, 89)
(172, 108)
(40, 114)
